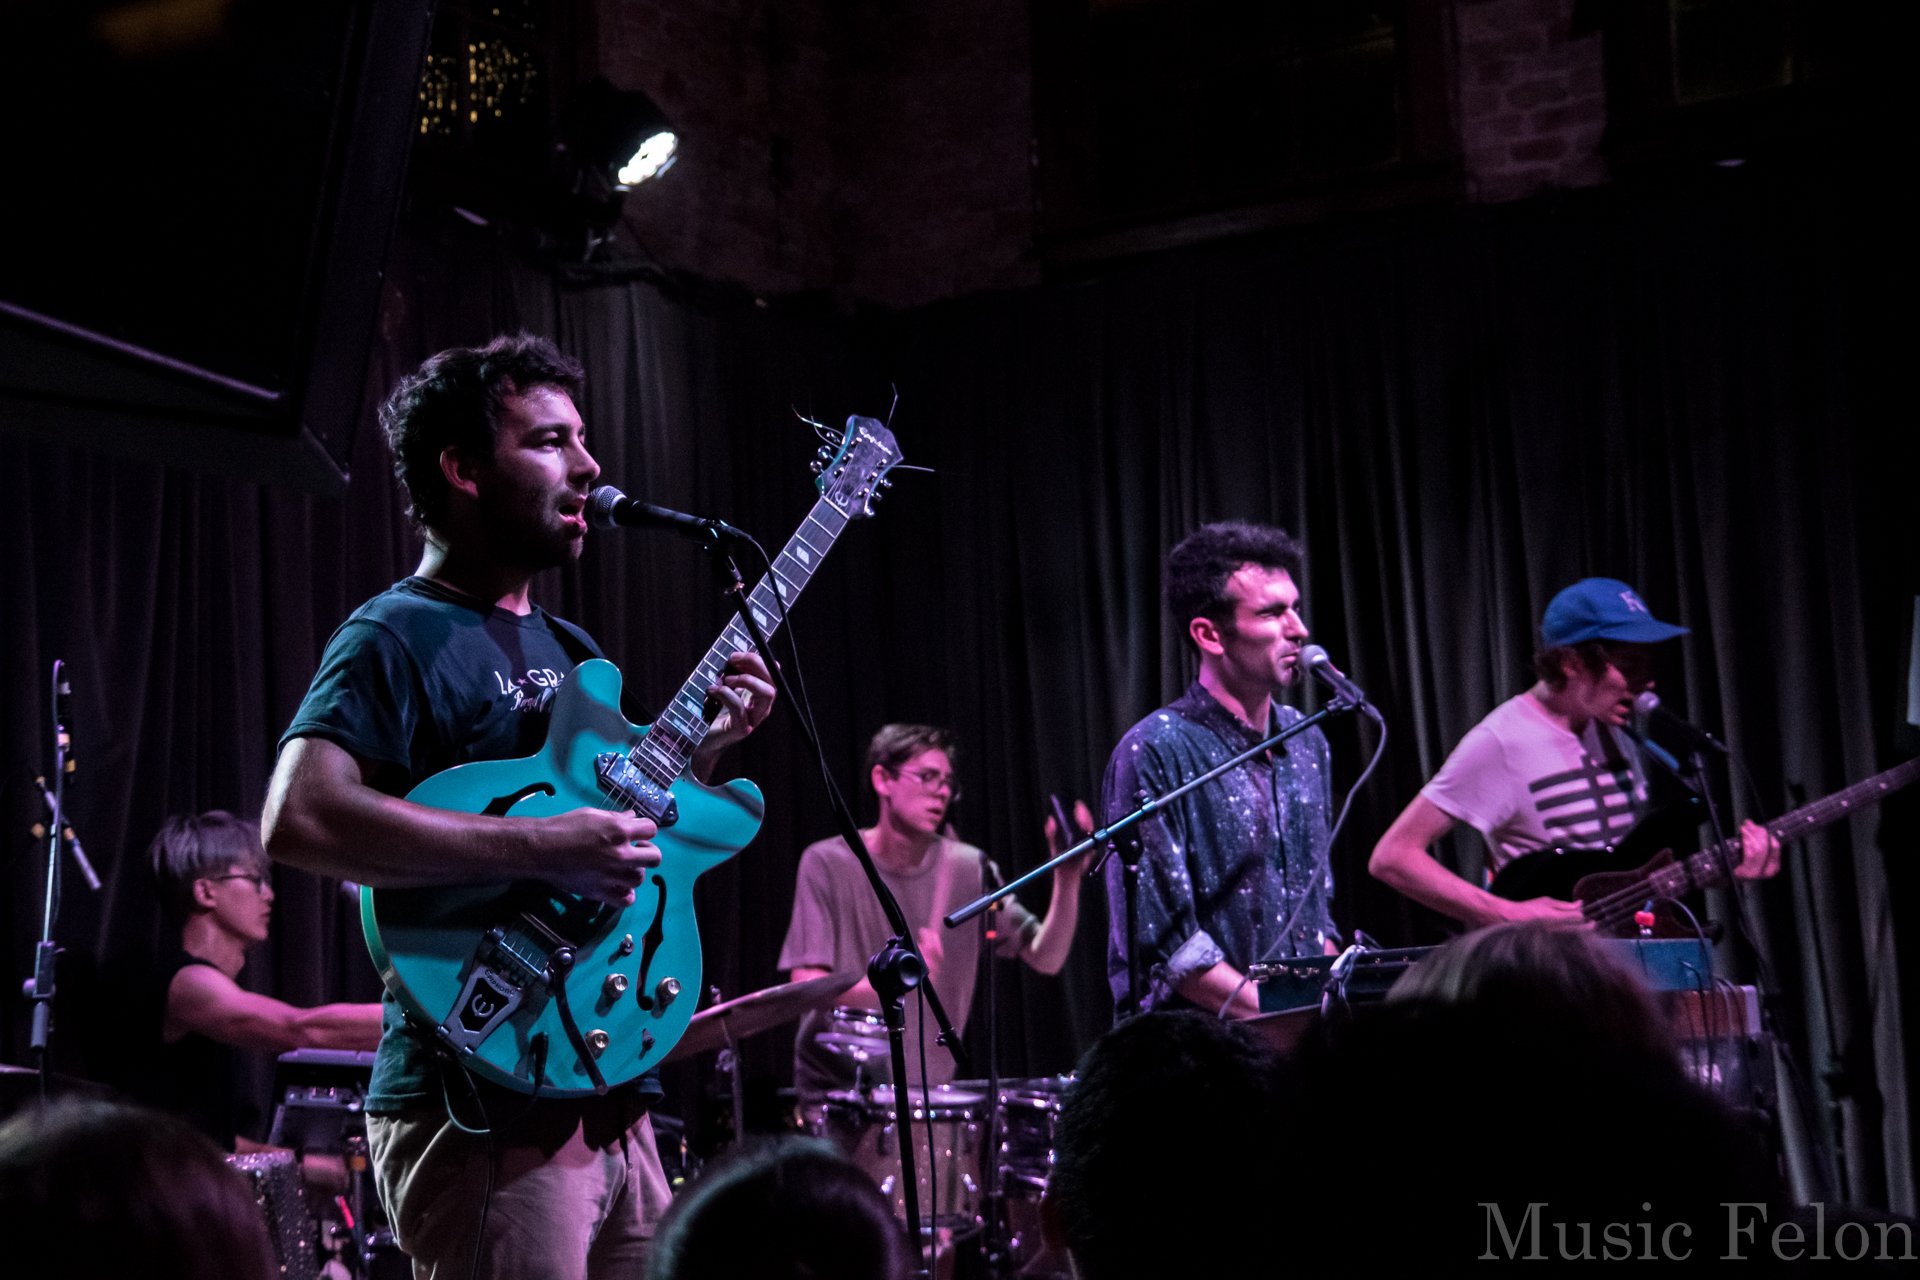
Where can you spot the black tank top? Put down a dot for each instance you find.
(193, 1077)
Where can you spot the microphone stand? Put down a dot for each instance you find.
(898, 967)
(1127, 845)
(991, 1244)
(40, 988)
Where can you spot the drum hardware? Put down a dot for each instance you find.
(275, 1178)
(321, 1116)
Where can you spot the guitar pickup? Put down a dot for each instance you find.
(623, 782)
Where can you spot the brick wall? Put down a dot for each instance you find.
(933, 129)
(749, 200)
(1533, 102)
(881, 151)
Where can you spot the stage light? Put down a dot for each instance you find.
(621, 138)
(655, 157)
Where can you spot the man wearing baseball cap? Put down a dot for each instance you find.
(1549, 767)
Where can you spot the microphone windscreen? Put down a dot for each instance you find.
(600, 505)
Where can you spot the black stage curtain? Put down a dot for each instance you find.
(1459, 413)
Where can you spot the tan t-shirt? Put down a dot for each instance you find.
(838, 925)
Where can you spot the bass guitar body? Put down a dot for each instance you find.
(533, 988)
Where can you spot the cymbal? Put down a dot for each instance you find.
(759, 1011)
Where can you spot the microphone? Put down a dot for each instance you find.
(66, 833)
(608, 508)
(1315, 659)
(1647, 711)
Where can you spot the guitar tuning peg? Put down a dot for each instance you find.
(816, 466)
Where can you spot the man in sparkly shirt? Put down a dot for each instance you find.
(1227, 875)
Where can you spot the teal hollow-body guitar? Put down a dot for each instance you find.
(543, 991)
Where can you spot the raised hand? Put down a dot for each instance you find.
(1058, 840)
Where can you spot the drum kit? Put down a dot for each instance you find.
(982, 1154)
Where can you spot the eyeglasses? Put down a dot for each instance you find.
(260, 884)
(931, 780)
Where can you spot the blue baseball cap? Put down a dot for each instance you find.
(1602, 609)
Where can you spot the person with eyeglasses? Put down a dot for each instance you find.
(837, 923)
(215, 882)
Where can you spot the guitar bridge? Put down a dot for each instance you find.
(503, 968)
(623, 782)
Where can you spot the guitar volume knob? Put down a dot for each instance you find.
(598, 1040)
(664, 993)
(615, 985)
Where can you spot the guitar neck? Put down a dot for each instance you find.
(1704, 869)
(667, 749)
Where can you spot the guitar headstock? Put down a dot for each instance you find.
(853, 478)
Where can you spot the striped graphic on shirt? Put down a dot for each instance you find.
(1590, 805)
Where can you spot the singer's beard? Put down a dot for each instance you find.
(528, 532)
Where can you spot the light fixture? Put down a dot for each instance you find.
(655, 157)
(619, 138)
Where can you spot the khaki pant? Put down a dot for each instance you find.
(577, 1189)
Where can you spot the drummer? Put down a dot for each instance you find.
(838, 924)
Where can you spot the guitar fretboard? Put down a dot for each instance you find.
(668, 747)
(1703, 869)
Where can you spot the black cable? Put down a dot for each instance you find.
(485, 1131)
(926, 1101)
(1321, 863)
(1701, 981)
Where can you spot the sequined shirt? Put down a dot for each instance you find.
(1224, 868)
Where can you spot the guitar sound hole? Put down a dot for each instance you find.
(651, 942)
(498, 806)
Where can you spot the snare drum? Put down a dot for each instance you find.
(865, 1125)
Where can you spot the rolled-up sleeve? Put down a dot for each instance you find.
(1169, 942)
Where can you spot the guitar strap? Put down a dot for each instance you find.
(572, 639)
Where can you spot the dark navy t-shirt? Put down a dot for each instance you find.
(424, 678)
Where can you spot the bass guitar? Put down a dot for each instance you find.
(546, 992)
(1610, 896)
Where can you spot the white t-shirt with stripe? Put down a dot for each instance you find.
(1525, 782)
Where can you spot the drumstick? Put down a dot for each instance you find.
(942, 884)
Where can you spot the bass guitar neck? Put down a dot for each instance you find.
(1610, 901)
